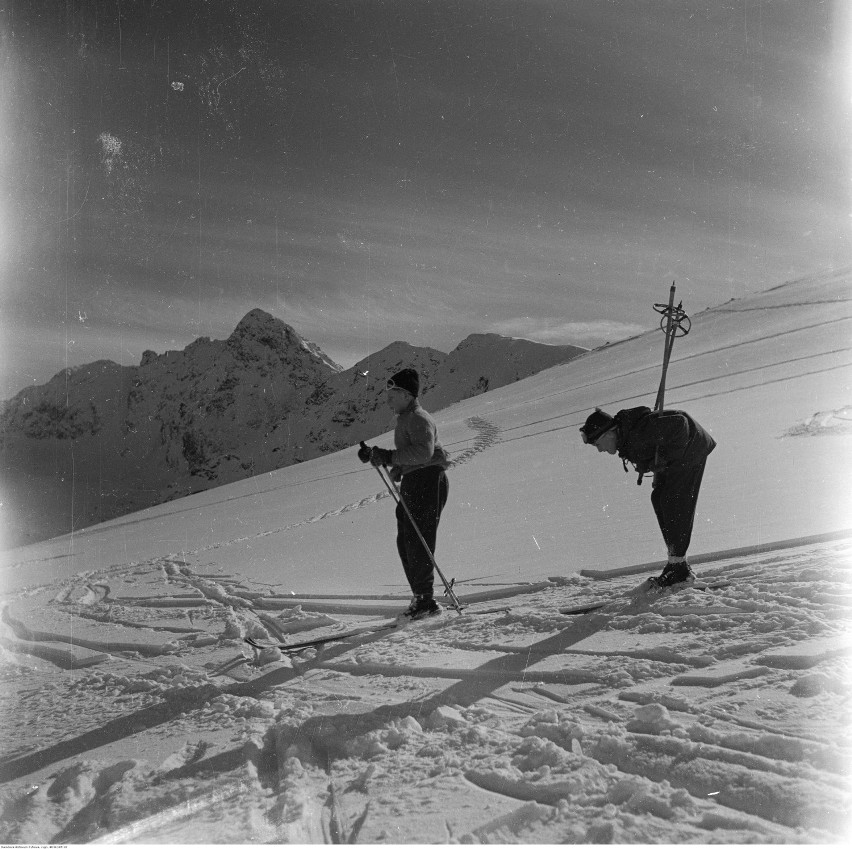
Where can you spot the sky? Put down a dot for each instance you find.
(377, 170)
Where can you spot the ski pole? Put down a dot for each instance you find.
(397, 495)
(661, 392)
(677, 323)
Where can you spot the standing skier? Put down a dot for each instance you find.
(672, 445)
(419, 462)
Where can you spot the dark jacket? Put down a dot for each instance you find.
(654, 441)
(416, 442)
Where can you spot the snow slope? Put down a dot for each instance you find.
(102, 440)
(133, 711)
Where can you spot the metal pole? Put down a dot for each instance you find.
(397, 495)
(667, 350)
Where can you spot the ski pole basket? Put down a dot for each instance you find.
(680, 321)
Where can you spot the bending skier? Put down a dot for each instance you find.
(419, 462)
(672, 445)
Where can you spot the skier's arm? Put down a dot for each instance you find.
(421, 444)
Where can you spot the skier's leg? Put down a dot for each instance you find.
(425, 493)
(675, 500)
(434, 493)
(403, 532)
(687, 502)
(443, 492)
(659, 502)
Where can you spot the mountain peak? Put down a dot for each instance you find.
(260, 327)
(257, 323)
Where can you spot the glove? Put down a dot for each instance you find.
(659, 477)
(364, 453)
(381, 457)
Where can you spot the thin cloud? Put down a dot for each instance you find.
(586, 334)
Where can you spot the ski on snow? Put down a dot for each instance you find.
(374, 628)
(303, 645)
(644, 592)
(329, 638)
(369, 628)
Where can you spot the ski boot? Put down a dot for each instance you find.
(422, 606)
(673, 574)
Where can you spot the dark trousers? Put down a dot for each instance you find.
(674, 500)
(425, 493)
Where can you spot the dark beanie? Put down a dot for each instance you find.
(407, 379)
(597, 424)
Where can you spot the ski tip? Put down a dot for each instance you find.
(586, 608)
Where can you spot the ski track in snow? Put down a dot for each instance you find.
(824, 423)
(695, 717)
(487, 434)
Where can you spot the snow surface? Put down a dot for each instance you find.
(134, 712)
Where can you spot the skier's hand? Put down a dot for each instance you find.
(659, 478)
(381, 457)
(364, 453)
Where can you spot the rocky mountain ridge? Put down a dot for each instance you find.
(101, 440)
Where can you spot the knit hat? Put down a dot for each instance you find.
(597, 424)
(407, 379)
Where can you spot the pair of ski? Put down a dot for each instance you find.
(296, 648)
(401, 621)
(645, 592)
(369, 628)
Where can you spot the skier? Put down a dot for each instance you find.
(419, 461)
(672, 445)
